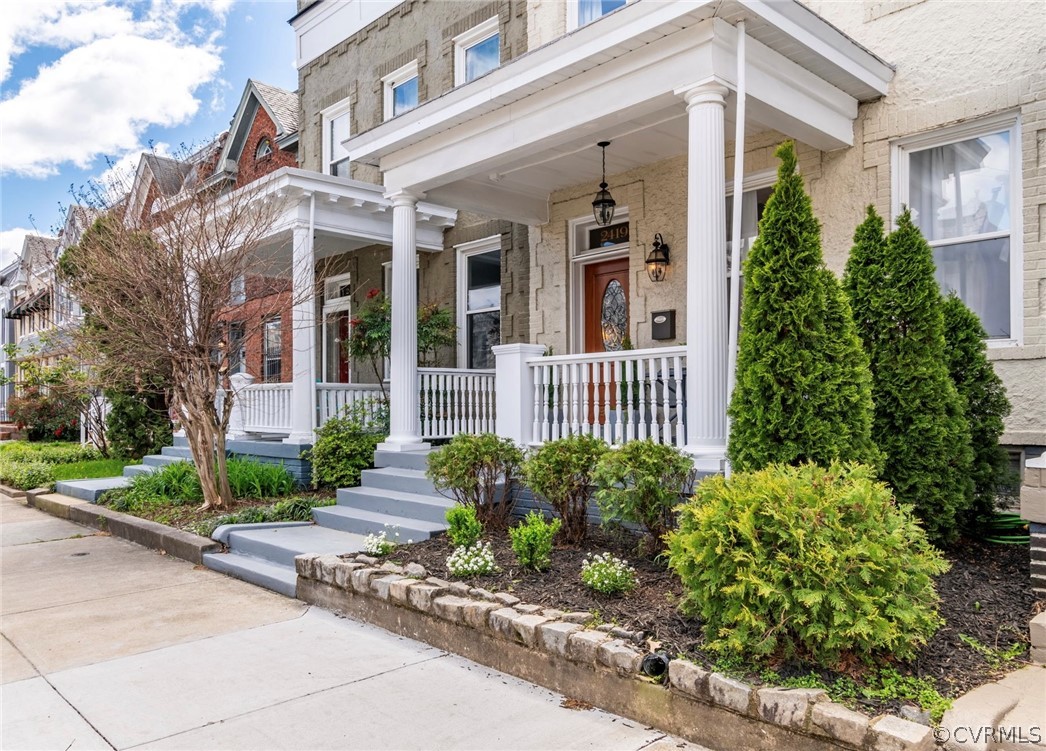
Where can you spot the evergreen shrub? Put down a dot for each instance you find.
(532, 541)
(808, 562)
(920, 423)
(802, 389)
(137, 423)
(345, 446)
(561, 472)
(463, 528)
(478, 471)
(985, 407)
(642, 482)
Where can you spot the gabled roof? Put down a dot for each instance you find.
(168, 174)
(279, 104)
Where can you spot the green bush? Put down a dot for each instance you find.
(26, 475)
(985, 406)
(297, 509)
(642, 482)
(803, 388)
(464, 528)
(919, 420)
(345, 447)
(532, 540)
(808, 562)
(472, 467)
(137, 423)
(51, 453)
(561, 472)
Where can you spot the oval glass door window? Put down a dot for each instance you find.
(614, 316)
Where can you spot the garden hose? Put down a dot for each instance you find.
(1007, 529)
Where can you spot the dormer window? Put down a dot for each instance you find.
(264, 149)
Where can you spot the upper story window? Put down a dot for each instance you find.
(401, 90)
(238, 290)
(264, 149)
(477, 51)
(963, 187)
(335, 122)
(586, 11)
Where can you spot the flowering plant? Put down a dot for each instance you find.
(472, 560)
(380, 544)
(608, 574)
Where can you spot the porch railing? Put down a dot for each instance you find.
(615, 396)
(266, 407)
(334, 399)
(453, 401)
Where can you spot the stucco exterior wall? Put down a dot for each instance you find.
(956, 62)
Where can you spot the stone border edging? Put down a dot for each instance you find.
(150, 534)
(555, 650)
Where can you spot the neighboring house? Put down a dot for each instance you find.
(483, 117)
(7, 336)
(262, 138)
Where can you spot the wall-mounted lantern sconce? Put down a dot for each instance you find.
(658, 260)
(603, 206)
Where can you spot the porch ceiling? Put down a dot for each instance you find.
(503, 143)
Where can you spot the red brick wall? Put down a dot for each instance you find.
(253, 315)
(251, 169)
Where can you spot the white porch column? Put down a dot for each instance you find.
(706, 306)
(514, 390)
(404, 431)
(303, 333)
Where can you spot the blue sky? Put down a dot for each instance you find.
(83, 81)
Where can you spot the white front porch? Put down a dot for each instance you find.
(658, 80)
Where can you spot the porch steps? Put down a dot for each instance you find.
(265, 556)
(183, 452)
(402, 459)
(363, 522)
(89, 490)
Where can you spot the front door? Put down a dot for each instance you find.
(606, 305)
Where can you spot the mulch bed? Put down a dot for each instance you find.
(985, 595)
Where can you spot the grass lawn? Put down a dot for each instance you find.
(89, 469)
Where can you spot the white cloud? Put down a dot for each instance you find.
(11, 244)
(123, 73)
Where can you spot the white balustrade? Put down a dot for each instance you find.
(266, 408)
(453, 401)
(339, 399)
(614, 396)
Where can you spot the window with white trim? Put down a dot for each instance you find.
(477, 51)
(335, 124)
(479, 301)
(581, 12)
(963, 187)
(272, 350)
(401, 90)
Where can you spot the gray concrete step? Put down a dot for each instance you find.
(430, 508)
(90, 490)
(160, 460)
(363, 522)
(181, 451)
(398, 478)
(280, 545)
(139, 469)
(258, 571)
(402, 459)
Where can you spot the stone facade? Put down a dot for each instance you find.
(352, 70)
(987, 60)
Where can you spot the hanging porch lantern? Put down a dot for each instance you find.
(603, 205)
(657, 261)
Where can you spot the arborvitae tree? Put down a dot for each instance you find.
(986, 406)
(802, 390)
(919, 420)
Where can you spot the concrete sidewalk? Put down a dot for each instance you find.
(108, 645)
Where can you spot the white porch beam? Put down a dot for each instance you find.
(489, 198)
(404, 431)
(706, 304)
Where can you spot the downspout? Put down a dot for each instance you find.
(735, 235)
(312, 302)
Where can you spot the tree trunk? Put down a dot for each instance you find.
(203, 429)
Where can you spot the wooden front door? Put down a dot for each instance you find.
(606, 305)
